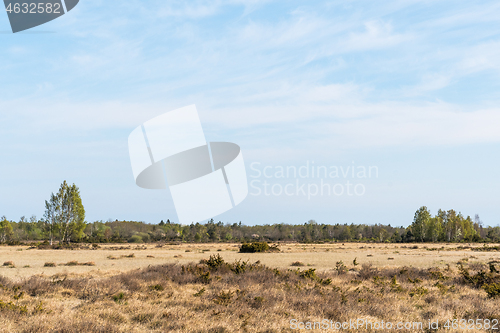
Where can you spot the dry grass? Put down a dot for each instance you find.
(160, 289)
(221, 296)
(110, 259)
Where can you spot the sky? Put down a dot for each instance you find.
(406, 89)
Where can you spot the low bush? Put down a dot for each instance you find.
(254, 247)
(340, 267)
(309, 274)
(215, 261)
(119, 298)
(89, 263)
(493, 290)
(71, 263)
(297, 263)
(157, 287)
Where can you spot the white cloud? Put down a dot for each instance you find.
(377, 35)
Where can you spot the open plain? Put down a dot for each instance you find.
(115, 258)
(210, 288)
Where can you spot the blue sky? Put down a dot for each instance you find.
(411, 87)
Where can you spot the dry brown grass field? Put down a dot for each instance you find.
(213, 288)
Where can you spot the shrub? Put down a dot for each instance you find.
(340, 267)
(493, 290)
(273, 248)
(239, 266)
(297, 263)
(49, 264)
(325, 282)
(215, 261)
(8, 263)
(395, 286)
(479, 279)
(419, 291)
(367, 272)
(254, 247)
(13, 307)
(442, 288)
(224, 298)
(157, 287)
(135, 239)
(309, 274)
(118, 298)
(437, 275)
(205, 277)
(199, 293)
(144, 236)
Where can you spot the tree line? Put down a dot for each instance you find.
(64, 222)
(449, 228)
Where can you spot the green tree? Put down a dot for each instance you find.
(420, 222)
(51, 214)
(468, 230)
(5, 230)
(65, 214)
(433, 229)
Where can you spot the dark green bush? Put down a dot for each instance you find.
(239, 266)
(309, 274)
(254, 247)
(215, 261)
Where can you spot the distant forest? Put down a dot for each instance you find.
(446, 226)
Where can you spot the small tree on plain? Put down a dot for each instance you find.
(64, 214)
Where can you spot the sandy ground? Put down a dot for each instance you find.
(323, 257)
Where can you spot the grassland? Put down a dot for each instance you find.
(177, 288)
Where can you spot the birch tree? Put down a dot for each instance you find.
(65, 214)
